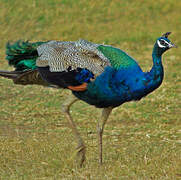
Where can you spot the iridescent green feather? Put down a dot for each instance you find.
(117, 57)
(22, 55)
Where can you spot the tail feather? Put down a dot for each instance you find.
(22, 55)
(10, 74)
(24, 77)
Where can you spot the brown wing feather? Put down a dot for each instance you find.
(30, 77)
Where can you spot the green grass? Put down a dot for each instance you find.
(142, 140)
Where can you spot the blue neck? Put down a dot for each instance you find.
(157, 69)
(154, 78)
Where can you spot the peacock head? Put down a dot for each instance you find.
(163, 44)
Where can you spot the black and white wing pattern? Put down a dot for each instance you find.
(63, 56)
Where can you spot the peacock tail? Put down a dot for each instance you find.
(22, 55)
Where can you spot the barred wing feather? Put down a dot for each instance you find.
(60, 56)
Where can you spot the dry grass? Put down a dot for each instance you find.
(142, 140)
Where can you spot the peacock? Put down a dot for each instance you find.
(101, 75)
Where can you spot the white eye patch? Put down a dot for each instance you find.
(162, 43)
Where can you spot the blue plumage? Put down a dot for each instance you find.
(84, 75)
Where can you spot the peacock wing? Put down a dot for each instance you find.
(67, 56)
(30, 77)
(118, 58)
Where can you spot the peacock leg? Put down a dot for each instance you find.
(100, 128)
(66, 110)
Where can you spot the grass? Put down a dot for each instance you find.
(142, 140)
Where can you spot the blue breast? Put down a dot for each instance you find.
(114, 87)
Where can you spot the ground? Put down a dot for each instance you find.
(142, 140)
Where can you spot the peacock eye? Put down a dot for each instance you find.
(163, 43)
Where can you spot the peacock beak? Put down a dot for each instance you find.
(171, 45)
